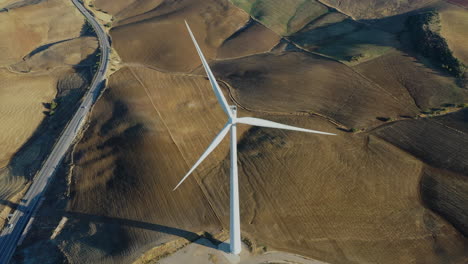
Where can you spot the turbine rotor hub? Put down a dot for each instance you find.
(232, 119)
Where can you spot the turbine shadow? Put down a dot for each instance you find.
(13, 206)
(191, 236)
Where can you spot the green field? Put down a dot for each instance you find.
(360, 46)
(285, 17)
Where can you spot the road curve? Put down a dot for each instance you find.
(10, 236)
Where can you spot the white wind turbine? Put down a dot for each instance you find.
(233, 120)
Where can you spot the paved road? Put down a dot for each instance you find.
(11, 235)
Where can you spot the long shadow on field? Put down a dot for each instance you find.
(12, 205)
(17, 206)
(191, 236)
(71, 87)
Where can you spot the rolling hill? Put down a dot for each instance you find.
(45, 58)
(390, 188)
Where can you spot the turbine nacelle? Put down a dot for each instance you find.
(233, 117)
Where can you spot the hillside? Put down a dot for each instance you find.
(45, 58)
(389, 188)
(375, 9)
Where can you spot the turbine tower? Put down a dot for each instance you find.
(233, 120)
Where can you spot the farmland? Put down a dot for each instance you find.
(389, 188)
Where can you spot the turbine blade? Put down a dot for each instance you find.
(210, 148)
(266, 123)
(214, 84)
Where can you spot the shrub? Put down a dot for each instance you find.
(383, 118)
(448, 105)
(354, 58)
(53, 105)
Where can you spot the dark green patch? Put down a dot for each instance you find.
(426, 39)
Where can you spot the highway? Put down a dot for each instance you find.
(13, 231)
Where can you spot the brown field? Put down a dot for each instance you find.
(24, 95)
(167, 47)
(238, 45)
(443, 143)
(300, 82)
(29, 133)
(324, 197)
(40, 55)
(454, 24)
(157, 120)
(439, 141)
(393, 192)
(63, 54)
(30, 27)
(445, 193)
(409, 79)
(123, 9)
(19, 101)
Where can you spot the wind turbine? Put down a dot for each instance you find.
(233, 120)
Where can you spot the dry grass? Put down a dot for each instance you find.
(132, 182)
(64, 54)
(350, 198)
(353, 198)
(24, 95)
(240, 43)
(338, 199)
(445, 193)
(41, 29)
(24, 29)
(168, 47)
(300, 82)
(123, 9)
(454, 22)
(410, 80)
(441, 142)
(21, 105)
